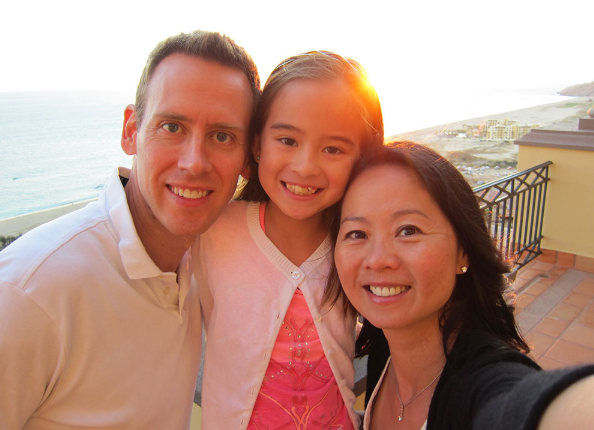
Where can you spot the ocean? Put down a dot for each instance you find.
(61, 147)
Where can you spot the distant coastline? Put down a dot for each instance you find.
(484, 161)
(581, 90)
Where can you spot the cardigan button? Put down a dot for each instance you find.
(295, 274)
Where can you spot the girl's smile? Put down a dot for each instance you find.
(308, 145)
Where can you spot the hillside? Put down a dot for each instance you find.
(581, 90)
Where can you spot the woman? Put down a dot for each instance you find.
(415, 258)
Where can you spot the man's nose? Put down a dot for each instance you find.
(194, 156)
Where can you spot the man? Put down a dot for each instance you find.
(99, 327)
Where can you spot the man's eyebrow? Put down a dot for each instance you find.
(180, 117)
(227, 126)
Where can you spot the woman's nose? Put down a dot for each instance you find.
(382, 254)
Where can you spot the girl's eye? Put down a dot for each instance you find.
(355, 234)
(288, 141)
(333, 150)
(408, 230)
(171, 127)
(222, 137)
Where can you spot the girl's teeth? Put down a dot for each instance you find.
(387, 291)
(301, 191)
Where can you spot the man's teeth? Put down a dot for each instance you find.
(387, 291)
(301, 191)
(189, 194)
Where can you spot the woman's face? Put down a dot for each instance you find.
(396, 253)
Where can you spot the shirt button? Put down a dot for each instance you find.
(166, 291)
(295, 274)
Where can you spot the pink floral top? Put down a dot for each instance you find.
(299, 390)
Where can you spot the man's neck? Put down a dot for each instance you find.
(164, 248)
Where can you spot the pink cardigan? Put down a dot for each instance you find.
(245, 286)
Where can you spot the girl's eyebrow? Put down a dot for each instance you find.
(285, 126)
(289, 127)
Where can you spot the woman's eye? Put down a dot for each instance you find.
(287, 141)
(171, 127)
(355, 234)
(222, 137)
(333, 150)
(408, 230)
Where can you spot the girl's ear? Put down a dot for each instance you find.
(129, 131)
(256, 148)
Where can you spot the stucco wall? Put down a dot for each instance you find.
(569, 212)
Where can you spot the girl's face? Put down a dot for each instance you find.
(396, 254)
(308, 145)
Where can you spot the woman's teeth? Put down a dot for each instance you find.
(301, 191)
(387, 291)
(189, 194)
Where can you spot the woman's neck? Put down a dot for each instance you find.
(297, 239)
(417, 359)
(417, 356)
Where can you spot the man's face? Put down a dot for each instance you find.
(190, 147)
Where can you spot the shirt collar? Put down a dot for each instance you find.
(137, 262)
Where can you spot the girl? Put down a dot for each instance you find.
(275, 358)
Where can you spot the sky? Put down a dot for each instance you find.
(429, 49)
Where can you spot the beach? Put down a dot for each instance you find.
(482, 160)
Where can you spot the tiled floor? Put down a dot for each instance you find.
(555, 312)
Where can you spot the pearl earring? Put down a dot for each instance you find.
(464, 269)
(257, 158)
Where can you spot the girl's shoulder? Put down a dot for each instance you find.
(235, 209)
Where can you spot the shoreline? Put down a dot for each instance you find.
(496, 156)
(482, 160)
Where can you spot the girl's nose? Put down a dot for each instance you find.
(305, 163)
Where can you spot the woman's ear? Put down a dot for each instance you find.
(129, 130)
(462, 263)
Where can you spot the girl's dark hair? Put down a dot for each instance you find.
(477, 300)
(314, 65)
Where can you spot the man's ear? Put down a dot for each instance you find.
(245, 172)
(129, 131)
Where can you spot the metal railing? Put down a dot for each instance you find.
(514, 211)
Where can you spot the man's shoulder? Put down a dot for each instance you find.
(58, 243)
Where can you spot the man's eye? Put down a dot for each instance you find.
(222, 137)
(171, 127)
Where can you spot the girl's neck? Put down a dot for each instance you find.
(297, 239)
